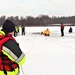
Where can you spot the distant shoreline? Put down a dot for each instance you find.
(68, 24)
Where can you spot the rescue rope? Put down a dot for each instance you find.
(22, 71)
(26, 54)
(31, 47)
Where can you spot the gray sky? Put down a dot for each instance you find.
(37, 7)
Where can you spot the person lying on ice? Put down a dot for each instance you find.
(47, 32)
(11, 56)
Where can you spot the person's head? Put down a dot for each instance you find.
(8, 27)
(61, 23)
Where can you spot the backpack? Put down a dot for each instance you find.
(5, 63)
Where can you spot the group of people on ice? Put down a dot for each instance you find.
(62, 29)
(16, 32)
(47, 31)
(11, 55)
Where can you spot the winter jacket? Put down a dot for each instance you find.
(13, 52)
(47, 32)
(62, 26)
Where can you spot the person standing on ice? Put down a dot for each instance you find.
(62, 29)
(23, 29)
(11, 56)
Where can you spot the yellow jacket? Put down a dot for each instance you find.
(14, 54)
(47, 32)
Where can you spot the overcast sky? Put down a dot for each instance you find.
(37, 7)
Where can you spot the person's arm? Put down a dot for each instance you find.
(13, 50)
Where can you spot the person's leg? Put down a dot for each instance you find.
(61, 32)
(24, 32)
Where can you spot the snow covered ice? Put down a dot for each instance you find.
(48, 55)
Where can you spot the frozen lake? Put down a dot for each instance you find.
(48, 55)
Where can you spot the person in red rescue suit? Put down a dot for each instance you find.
(62, 29)
(11, 55)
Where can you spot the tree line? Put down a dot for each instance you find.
(41, 20)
